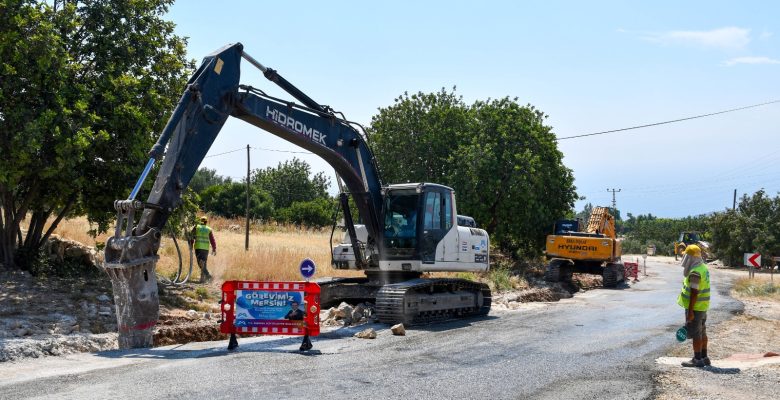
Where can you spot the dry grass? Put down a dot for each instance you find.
(74, 229)
(272, 255)
(758, 287)
(275, 251)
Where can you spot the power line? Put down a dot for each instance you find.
(227, 152)
(261, 149)
(282, 151)
(670, 121)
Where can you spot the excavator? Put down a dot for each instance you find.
(688, 238)
(407, 229)
(596, 250)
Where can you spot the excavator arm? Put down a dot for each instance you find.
(213, 94)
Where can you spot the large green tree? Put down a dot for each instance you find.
(415, 136)
(510, 174)
(753, 227)
(86, 87)
(498, 155)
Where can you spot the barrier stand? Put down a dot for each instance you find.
(270, 308)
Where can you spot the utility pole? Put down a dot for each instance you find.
(614, 203)
(246, 241)
(734, 204)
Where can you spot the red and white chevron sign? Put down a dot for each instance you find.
(753, 259)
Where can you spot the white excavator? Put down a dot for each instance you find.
(407, 229)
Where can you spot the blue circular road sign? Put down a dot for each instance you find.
(307, 268)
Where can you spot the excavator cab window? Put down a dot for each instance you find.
(437, 221)
(401, 219)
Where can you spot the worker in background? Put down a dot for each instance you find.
(203, 237)
(695, 299)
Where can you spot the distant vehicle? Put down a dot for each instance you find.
(688, 238)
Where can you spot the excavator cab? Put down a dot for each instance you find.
(416, 219)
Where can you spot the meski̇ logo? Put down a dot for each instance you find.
(296, 126)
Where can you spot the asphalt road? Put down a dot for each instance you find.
(601, 344)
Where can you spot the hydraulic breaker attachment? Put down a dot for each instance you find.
(130, 264)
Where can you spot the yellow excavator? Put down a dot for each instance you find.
(689, 238)
(596, 250)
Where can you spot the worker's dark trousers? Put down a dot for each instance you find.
(202, 256)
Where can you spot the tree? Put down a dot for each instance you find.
(229, 200)
(753, 226)
(86, 86)
(510, 174)
(415, 137)
(643, 230)
(290, 182)
(584, 215)
(205, 178)
(315, 213)
(500, 158)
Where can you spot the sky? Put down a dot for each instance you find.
(590, 66)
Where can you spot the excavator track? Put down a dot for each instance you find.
(558, 271)
(613, 274)
(422, 301)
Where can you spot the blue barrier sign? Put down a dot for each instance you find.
(307, 268)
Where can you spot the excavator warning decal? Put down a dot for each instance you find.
(218, 66)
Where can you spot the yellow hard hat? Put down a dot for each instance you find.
(693, 250)
(204, 220)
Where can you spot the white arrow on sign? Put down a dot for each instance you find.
(753, 259)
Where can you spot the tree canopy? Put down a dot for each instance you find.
(291, 181)
(205, 178)
(498, 155)
(753, 227)
(288, 193)
(86, 88)
(229, 200)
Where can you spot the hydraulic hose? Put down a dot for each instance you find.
(175, 280)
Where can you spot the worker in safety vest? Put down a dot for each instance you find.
(202, 236)
(695, 299)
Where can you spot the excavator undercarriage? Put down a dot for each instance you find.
(408, 298)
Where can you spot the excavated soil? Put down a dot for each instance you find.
(55, 316)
